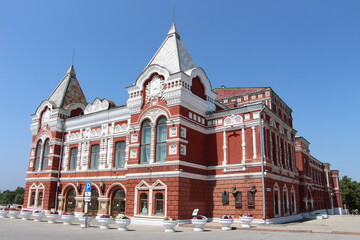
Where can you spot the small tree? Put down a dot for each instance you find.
(10, 197)
(350, 191)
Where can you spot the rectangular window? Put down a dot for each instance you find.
(73, 158)
(161, 140)
(160, 152)
(95, 149)
(120, 154)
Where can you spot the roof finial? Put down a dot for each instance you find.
(73, 56)
(174, 13)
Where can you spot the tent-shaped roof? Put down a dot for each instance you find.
(172, 54)
(68, 91)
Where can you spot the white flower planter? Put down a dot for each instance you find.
(4, 213)
(169, 225)
(38, 216)
(226, 224)
(25, 215)
(123, 223)
(198, 224)
(104, 222)
(82, 221)
(14, 214)
(52, 217)
(67, 219)
(245, 221)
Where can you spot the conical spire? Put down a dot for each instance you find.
(172, 54)
(71, 71)
(68, 91)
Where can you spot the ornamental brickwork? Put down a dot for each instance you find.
(175, 146)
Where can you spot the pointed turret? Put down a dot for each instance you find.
(172, 54)
(68, 91)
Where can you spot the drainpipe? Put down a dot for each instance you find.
(60, 163)
(262, 152)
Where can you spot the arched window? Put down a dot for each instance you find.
(118, 203)
(120, 154)
(143, 203)
(293, 201)
(145, 142)
(32, 200)
(94, 160)
(73, 158)
(161, 140)
(159, 204)
(276, 201)
(45, 155)
(285, 200)
(70, 201)
(38, 156)
(40, 199)
(94, 203)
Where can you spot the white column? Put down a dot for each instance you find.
(152, 143)
(110, 147)
(66, 158)
(286, 155)
(243, 145)
(271, 147)
(127, 149)
(278, 150)
(78, 157)
(224, 148)
(254, 142)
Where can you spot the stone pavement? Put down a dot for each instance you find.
(335, 227)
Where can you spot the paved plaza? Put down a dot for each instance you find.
(335, 227)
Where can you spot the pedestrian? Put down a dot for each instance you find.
(356, 212)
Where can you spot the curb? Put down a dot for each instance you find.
(278, 230)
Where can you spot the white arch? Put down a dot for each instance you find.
(199, 72)
(139, 83)
(286, 194)
(74, 106)
(114, 185)
(97, 188)
(42, 106)
(68, 185)
(276, 190)
(153, 114)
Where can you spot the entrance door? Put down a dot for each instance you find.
(93, 204)
(70, 201)
(118, 203)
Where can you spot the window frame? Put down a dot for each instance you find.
(73, 158)
(161, 138)
(38, 156)
(145, 143)
(95, 155)
(119, 153)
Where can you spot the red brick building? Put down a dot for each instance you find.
(176, 145)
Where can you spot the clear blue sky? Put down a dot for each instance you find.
(308, 51)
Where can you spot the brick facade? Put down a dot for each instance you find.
(223, 151)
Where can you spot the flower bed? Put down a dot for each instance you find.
(67, 218)
(4, 212)
(38, 215)
(25, 214)
(123, 222)
(170, 223)
(246, 219)
(226, 221)
(52, 216)
(199, 222)
(104, 221)
(14, 213)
